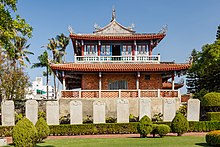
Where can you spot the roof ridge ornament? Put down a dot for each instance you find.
(97, 27)
(164, 29)
(113, 14)
(70, 29)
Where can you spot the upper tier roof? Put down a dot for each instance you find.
(116, 31)
(114, 28)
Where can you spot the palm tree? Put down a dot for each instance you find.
(43, 62)
(63, 42)
(52, 46)
(17, 50)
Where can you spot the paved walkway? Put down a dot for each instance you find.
(9, 139)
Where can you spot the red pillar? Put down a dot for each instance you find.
(82, 50)
(150, 49)
(99, 49)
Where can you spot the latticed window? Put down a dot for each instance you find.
(126, 50)
(105, 50)
(142, 50)
(120, 84)
(90, 50)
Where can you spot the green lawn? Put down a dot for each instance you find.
(183, 141)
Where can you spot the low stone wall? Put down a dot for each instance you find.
(111, 105)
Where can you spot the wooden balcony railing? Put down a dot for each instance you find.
(118, 93)
(138, 58)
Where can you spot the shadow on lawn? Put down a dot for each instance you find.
(11, 144)
(202, 144)
(44, 146)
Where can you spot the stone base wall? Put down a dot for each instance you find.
(111, 106)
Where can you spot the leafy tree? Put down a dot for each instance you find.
(57, 46)
(11, 27)
(203, 75)
(63, 41)
(14, 32)
(218, 33)
(52, 46)
(43, 62)
(18, 51)
(14, 83)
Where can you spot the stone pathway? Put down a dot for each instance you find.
(9, 139)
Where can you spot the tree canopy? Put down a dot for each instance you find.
(204, 74)
(14, 33)
(10, 26)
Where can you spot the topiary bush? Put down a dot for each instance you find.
(163, 129)
(145, 126)
(24, 133)
(43, 129)
(213, 138)
(211, 99)
(180, 124)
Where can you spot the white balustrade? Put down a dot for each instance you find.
(138, 58)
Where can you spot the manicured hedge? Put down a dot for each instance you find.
(204, 126)
(213, 138)
(113, 128)
(87, 129)
(213, 116)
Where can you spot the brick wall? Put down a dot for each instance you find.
(91, 81)
(155, 81)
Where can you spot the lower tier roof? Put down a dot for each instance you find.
(119, 67)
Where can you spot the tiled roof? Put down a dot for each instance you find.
(117, 37)
(119, 67)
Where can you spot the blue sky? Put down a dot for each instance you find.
(191, 23)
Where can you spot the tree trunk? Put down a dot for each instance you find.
(47, 82)
(55, 87)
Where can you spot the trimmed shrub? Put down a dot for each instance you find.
(24, 133)
(133, 118)
(157, 117)
(154, 129)
(145, 126)
(211, 99)
(42, 114)
(213, 138)
(180, 124)
(65, 119)
(213, 116)
(43, 129)
(162, 130)
(110, 120)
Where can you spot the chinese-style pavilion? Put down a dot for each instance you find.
(117, 62)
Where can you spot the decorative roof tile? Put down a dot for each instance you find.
(119, 67)
(117, 37)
